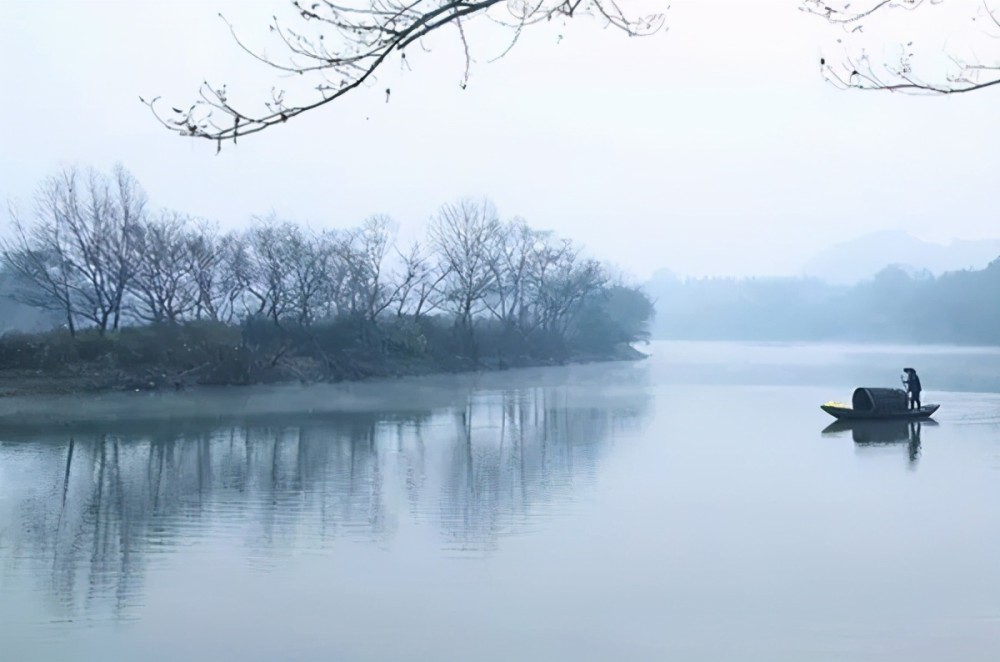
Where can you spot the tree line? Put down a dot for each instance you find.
(896, 305)
(96, 255)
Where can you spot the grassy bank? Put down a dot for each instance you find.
(181, 356)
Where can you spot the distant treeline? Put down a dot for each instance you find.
(130, 287)
(961, 307)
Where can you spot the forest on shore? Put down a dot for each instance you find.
(126, 297)
(896, 305)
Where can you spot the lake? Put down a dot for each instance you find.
(693, 506)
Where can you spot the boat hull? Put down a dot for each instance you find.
(849, 414)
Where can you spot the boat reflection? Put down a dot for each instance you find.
(883, 433)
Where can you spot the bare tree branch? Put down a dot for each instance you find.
(860, 72)
(353, 41)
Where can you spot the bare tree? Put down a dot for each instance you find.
(336, 296)
(863, 71)
(128, 211)
(168, 261)
(339, 46)
(366, 255)
(222, 270)
(217, 286)
(267, 278)
(418, 282)
(311, 263)
(80, 248)
(102, 217)
(511, 265)
(561, 281)
(465, 236)
(39, 257)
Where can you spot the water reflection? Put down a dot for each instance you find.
(884, 433)
(104, 504)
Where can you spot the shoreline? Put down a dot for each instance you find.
(51, 403)
(85, 378)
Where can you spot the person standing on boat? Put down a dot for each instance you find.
(912, 383)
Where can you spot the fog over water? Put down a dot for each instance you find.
(634, 509)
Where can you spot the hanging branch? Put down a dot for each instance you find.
(353, 42)
(859, 72)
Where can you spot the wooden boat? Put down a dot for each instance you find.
(878, 404)
(851, 414)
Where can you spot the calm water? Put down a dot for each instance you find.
(694, 506)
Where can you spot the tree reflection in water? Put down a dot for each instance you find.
(107, 503)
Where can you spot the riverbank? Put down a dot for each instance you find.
(201, 409)
(89, 378)
(187, 357)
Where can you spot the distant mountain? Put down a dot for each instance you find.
(861, 258)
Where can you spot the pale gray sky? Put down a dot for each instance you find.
(713, 148)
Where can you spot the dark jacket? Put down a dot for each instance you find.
(913, 383)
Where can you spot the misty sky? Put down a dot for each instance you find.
(713, 148)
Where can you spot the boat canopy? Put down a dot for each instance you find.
(879, 400)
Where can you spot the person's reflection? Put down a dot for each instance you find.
(914, 443)
(873, 434)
